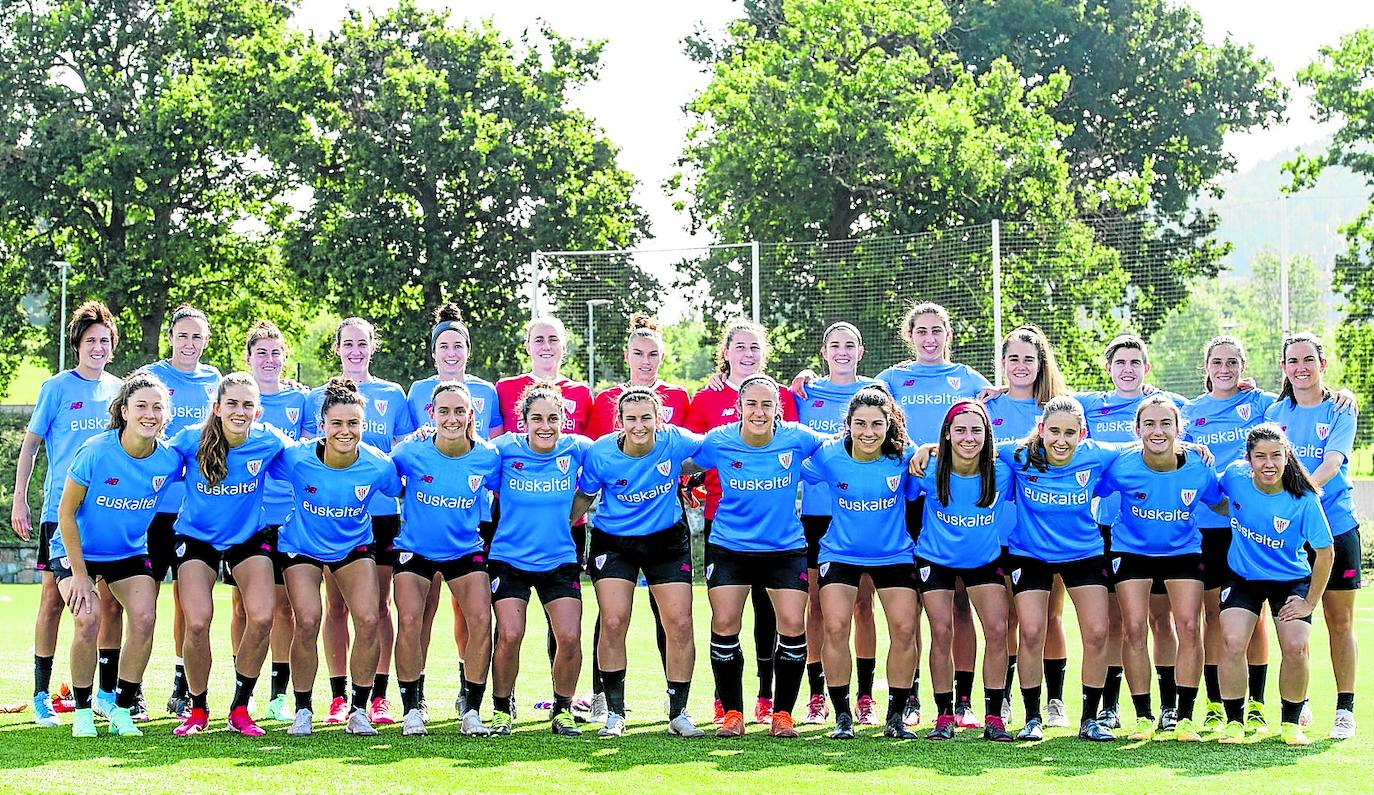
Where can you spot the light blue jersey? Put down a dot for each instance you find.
(638, 494)
(192, 396)
(867, 506)
(963, 534)
(70, 409)
(444, 497)
(1314, 432)
(823, 411)
(229, 512)
(1269, 531)
(1221, 425)
(537, 492)
(926, 391)
(330, 519)
(1156, 516)
(121, 496)
(386, 417)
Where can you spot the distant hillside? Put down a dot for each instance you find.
(1250, 213)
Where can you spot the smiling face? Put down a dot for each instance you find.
(1303, 366)
(1225, 366)
(758, 409)
(967, 435)
(868, 427)
(354, 346)
(1157, 427)
(544, 423)
(450, 355)
(744, 353)
(1128, 369)
(451, 414)
(929, 338)
(1021, 363)
(145, 413)
(1267, 458)
(95, 347)
(266, 359)
(1061, 433)
(644, 355)
(237, 408)
(545, 345)
(842, 352)
(639, 421)
(343, 427)
(188, 336)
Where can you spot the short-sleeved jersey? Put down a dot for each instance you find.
(1269, 531)
(537, 492)
(963, 534)
(70, 409)
(604, 419)
(330, 516)
(577, 403)
(386, 417)
(926, 391)
(285, 411)
(121, 496)
(1157, 508)
(758, 505)
(192, 396)
(1314, 432)
(1111, 418)
(1012, 418)
(712, 408)
(1054, 520)
(867, 506)
(638, 494)
(229, 512)
(823, 410)
(485, 405)
(444, 497)
(1220, 425)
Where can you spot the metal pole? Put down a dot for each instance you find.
(754, 271)
(591, 345)
(62, 329)
(534, 285)
(1283, 266)
(996, 298)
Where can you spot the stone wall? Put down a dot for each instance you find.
(16, 562)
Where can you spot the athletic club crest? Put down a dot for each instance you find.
(181, 549)
(210, 392)
(569, 406)
(1116, 565)
(404, 557)
(825, 568)
(1323, 430)
(664, 467)
(292, 415)
(953, 381)
(925, 573)
(254, 466)
(665, 413)
(564, 462)
(478, 405)
(361, 492)
(1188, 496)
(381, 406)
(158, 480)
(1280, 524)
(1015, 576)
(474, 482)
(495, 583)
(893, 481)
(1082, 477)
(785, 459)
(1243, 410)
(600, 562)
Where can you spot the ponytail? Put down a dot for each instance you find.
(1033, 446)
(213, 453)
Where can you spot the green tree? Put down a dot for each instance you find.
(447, 155)
(132, 129)
(1342, 80)
(839, 125)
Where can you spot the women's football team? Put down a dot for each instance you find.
(1173, 525)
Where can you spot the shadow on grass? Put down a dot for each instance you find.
(28, 746)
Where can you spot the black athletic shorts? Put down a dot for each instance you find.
(1156, 568)
(579, 537)
(366, 551)
(915, 513)
(1250, 595)
(934, 577)
(785, 569)
(901, 575)
(162, 545)
(46, 530)
(1157, 587)
(1216, 545)
(815, 528)
(261, 543)
(508, 582)
(1029, 574)
(384, 532)
(664, 556)
(1345, 566)
(486, 531)
(111, 571)
(408, 562)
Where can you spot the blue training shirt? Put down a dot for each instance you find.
(285, 411)
(192, 396)
(758, 505)
(1054, 521)
(1111, 418)
(537, 491)
(229, 512)
(121, 496)
(867, 506)
(963, 534)
(1314, 432)
(485, 407)
(1157, 508)
(1220, 425)
(823, 411)
(386, 416)
(638, 495)
(329, 518)
(926, 391)
(1012, 419)
(70, 409)
(444, 497)
(1269, 531)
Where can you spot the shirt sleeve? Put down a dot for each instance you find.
(590, 480)
(789, 405)
(1211, 489)
(45, 410)
(686, 444)
(310, 414)
(82, 470)
(812, 471)
(810, 441)
(390, 482)
(706, 457)
(405, 423)
(278, 468)
(1341, 439)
